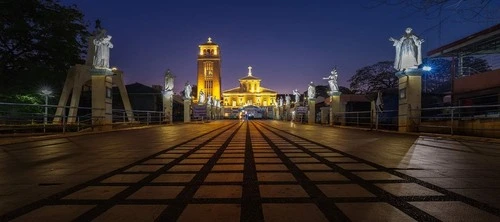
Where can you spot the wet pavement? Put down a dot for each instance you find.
(250, 171)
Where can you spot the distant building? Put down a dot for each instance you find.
(209, 70)
(250, 92)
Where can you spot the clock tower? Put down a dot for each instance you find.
(209, 76)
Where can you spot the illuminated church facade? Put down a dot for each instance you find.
(249, 93)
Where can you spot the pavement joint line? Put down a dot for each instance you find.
(251, 208)
(174, 211)
(57, 196)
(330, 211)
(448, 194)
(391, 199)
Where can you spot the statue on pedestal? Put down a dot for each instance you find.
(408, 51)
(287, 99)
(187, 90)
(311, 91)
(281, 101)
(332, 81)
(169, 81)
(297, 95)
(201, 97)
(102, 44)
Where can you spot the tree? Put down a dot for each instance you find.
(373, 78)
(39, 41)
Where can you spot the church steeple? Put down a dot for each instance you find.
(209, 69)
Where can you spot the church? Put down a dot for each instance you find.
(249, 96)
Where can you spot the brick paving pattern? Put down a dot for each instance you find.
(256, 171)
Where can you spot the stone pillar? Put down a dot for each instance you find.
(212, 112)
(277, 114)
(336, 108)
(287, 112)
(410, 94)
(324, 114)
(102, 99)
(312, 111)
(167, 106)
(187, 110)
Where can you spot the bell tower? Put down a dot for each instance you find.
(209, 76)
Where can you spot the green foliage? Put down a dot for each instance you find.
(369, 79)
(39, 41)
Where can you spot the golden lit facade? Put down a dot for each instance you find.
(250, 92)
(209, 67)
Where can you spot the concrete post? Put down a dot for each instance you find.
(312, 111)
(102, 100)
(187, 110)
(410, 93)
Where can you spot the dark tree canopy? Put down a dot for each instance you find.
(39, 41)
(373, 78)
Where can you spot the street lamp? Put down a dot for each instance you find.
(46, 93)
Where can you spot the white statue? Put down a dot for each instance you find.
(209, 101)
(201, 98)
(408, 51)
(287, 99)
(102, 44)
(281, 101)
(187, 90)
(276, 103)
(332, 81)
(311, 91)
(297, 95)
(169, 81)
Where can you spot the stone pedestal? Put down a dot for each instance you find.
(325, 111)
(312, 111)
(102, 98)
(277, 117)
(410, 94)
(287, 112)
(187, 110)
(336, 108)
(167, 106)
(80, 75)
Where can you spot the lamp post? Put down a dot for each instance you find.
(46, 93)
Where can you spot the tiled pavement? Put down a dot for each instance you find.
(274, 171)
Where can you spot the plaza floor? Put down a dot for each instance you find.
(249, 171)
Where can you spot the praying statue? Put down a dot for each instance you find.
(311, 91)
(296, 93)
(187, 90)
(332, 81)
(169, 81)
(102, 44)
(408, 51)
(201, 98)
(287, 99)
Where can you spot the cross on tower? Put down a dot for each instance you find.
(249, 71)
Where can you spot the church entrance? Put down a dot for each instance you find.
(252, 112)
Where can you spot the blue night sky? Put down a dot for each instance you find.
(288, 43)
